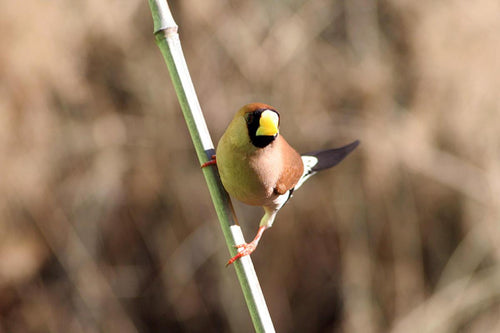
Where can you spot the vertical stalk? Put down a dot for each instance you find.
(167, 39)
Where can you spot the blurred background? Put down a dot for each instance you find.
(106, 223)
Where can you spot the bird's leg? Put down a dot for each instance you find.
(213, 161)
(247, 248)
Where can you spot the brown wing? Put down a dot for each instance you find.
(292, 168)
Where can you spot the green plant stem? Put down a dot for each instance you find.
(167, 39)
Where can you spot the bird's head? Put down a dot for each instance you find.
(262, 123)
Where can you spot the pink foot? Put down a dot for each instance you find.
(243, 250)
(247, 248)
(213, 161)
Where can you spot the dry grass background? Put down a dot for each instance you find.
(105, 219)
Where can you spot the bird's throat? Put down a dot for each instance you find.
(261, 141)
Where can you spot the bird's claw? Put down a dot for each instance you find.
(213, 161)
(244, 249)
(239, 246)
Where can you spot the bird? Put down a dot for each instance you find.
(258, 167)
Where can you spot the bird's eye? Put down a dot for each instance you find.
(249, 117)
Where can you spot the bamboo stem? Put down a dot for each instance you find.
(167, 39)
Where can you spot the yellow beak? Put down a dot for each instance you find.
(268, 124)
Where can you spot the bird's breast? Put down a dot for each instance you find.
(249, 175)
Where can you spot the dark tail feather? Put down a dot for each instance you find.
(331, 157)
